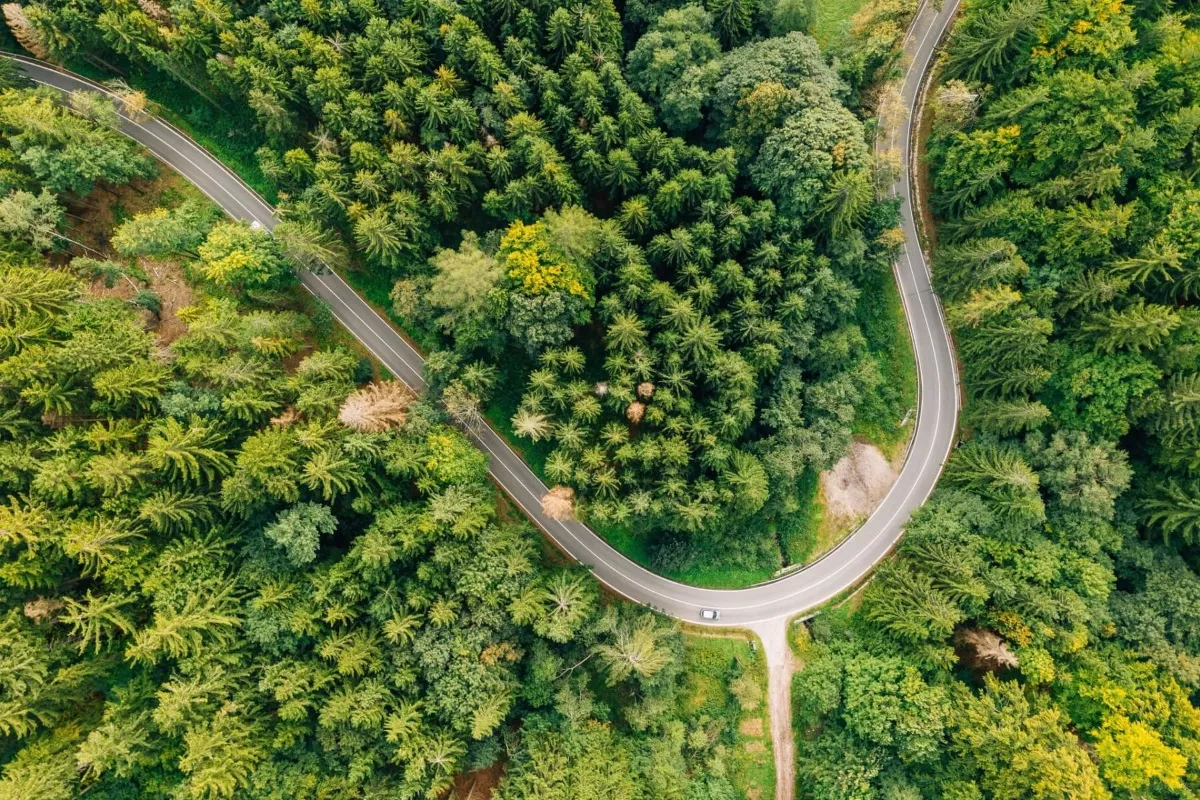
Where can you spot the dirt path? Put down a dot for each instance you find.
(780, 666)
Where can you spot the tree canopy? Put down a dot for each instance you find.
(522, 182)
(234, 565)
(1033, 625)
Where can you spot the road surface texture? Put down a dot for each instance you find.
(764, 608)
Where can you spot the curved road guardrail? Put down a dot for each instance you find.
(776, 600)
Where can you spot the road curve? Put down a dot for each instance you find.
(776, 600)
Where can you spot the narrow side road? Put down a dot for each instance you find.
(781, 666)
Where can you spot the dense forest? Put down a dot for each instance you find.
(237, 564)
(637, 242)
(1038, 637)
(234, 565)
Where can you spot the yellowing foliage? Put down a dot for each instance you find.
(1101, 29)
(1132, 755)
(529, 260)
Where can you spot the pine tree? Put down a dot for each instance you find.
(999, 474)
(732, 20)
(208, 620)
(983, 304)
(1156, 260)
(1139, 326)
(634, 216)
(569, 601)
(952, 570)
(171, 511)
(220, 757)
(190, 454)
(117, 472)
(138, 384)
(331, 473)
(98, 619)
(531, 425)
(379, 237)
(635, 648)
(1092, 290)
(402, 629)
(310, 246)
(1007, 416)
(979, 263)
(490, 713)
(97, 543)
(847, 201)
(626, 332)
(29, 290)
(1178, 419)
(906, 603)
(989, 41)
(1174, 508)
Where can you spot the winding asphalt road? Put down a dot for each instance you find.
(762, 606)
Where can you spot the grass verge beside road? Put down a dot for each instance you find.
(831, 21)
(884, 420)
(726, 680)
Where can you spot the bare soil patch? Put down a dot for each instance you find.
(751, 726)
(755, 747)
(478, 784)
(91, 219)
(856, 484)
(167, 281)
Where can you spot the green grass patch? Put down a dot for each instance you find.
(717, 576)
(707, 570)
(627, 541)
(705, 573)
(880, 315)
(800, 531)
(726, 680)
(831, 21)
